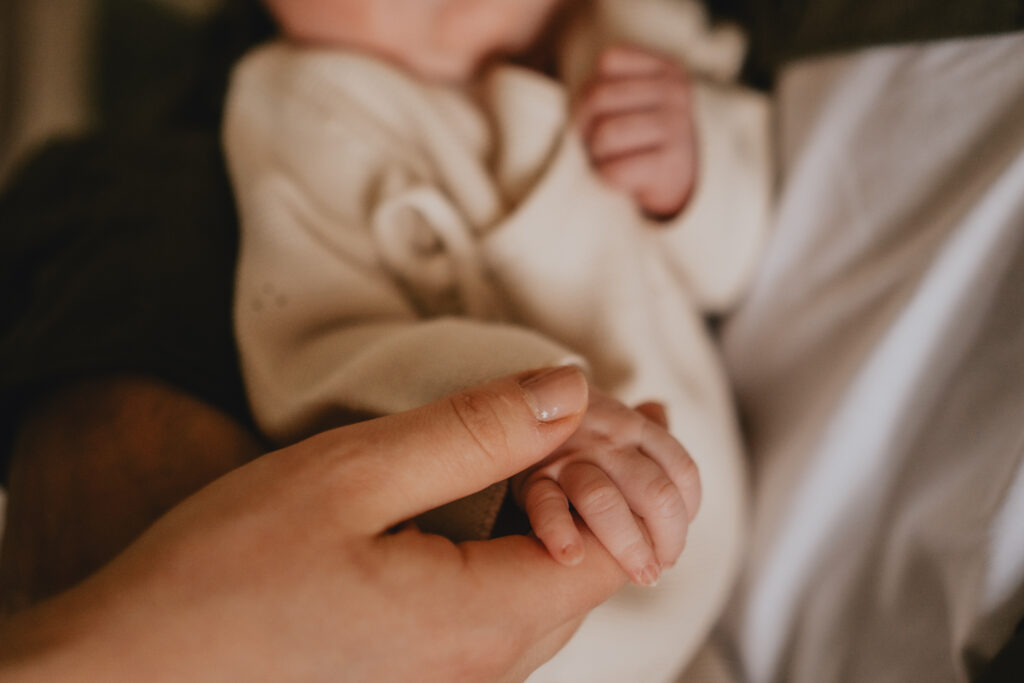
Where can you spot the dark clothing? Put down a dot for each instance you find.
(117, 251)
(116, 257)
(783, 30)
(1008, 665)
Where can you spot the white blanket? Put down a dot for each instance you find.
(881, 364)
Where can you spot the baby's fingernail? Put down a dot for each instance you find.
(556, 392)
(572, 554)
(648, 576)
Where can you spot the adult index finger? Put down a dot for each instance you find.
(396, 467)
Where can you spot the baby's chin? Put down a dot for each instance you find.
(449, 71)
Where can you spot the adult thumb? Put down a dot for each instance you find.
(409, 463)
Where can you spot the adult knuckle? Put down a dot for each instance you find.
(483, 424)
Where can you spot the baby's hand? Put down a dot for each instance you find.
(636, 122)
(633, 484)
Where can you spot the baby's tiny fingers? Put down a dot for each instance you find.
(655, 412)
(605, 510)
(631, 132)
(623, 61)
(675, 461)
(655, 499)
(548, 509)
(618, 96)
(659, 179)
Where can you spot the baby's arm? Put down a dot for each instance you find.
(632, 483)
(636, 120)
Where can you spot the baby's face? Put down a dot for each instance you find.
(437, 39)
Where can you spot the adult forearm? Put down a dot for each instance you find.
(287, 568)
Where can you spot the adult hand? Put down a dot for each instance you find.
(286, 569)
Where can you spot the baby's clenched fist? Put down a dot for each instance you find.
(636, 121)
(631, 482)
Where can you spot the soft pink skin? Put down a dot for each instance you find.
(636, 121)
(634, 114)
(633, 484)
(443, 40)
(288, 569)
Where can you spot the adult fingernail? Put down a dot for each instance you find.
(555, 393)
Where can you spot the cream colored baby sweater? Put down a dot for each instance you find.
(402, 240)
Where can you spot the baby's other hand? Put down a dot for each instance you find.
(636, 121)
(632, 483)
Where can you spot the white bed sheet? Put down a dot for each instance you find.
(880, 362)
